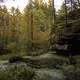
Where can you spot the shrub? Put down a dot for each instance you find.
(16, 72)
(72, 73)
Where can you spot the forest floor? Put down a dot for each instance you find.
(48, 66)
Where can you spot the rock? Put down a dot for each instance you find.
(15, 59)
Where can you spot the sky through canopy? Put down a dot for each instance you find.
(22, 3)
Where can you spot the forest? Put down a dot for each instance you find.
(21, 31)
(40, 42)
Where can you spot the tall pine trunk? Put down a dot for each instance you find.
(78, 3)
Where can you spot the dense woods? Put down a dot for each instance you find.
(40, 42)
(40, 28)
(21, 31)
